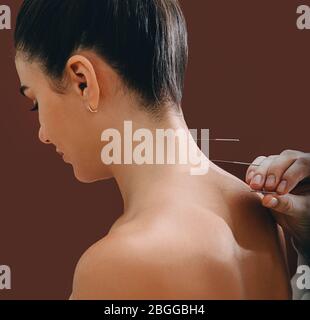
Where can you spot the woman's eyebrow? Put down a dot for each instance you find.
(22, 90)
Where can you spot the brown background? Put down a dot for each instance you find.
(248, 78)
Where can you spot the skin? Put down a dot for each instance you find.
(180, 236)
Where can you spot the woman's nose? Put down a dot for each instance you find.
(42, 137)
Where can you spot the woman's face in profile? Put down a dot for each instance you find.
(64, 122)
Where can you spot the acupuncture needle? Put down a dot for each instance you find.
(236, 162)
(264, 192)
(239, 162)
(222, 140)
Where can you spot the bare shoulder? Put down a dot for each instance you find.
(133, 267)
(110, 270)
(120, 266)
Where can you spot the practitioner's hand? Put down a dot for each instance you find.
(288, 175)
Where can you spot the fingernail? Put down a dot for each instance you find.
(271, 180)
(257, 179)
(282, 186)
(250, 176)
(273, 203)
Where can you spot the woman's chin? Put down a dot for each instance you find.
(89, 177)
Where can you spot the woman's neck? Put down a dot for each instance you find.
(142, 184)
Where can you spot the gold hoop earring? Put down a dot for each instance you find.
(91, 109)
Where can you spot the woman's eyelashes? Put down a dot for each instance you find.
(35, 107)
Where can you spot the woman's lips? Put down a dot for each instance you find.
(62, 155)
(59, 152)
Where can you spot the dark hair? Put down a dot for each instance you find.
(145, 41)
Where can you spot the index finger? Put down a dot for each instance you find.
(296, 173)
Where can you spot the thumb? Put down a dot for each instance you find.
(288, 204)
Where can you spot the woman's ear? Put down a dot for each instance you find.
(84, 81)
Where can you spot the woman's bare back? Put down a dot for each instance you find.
(216, 242)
